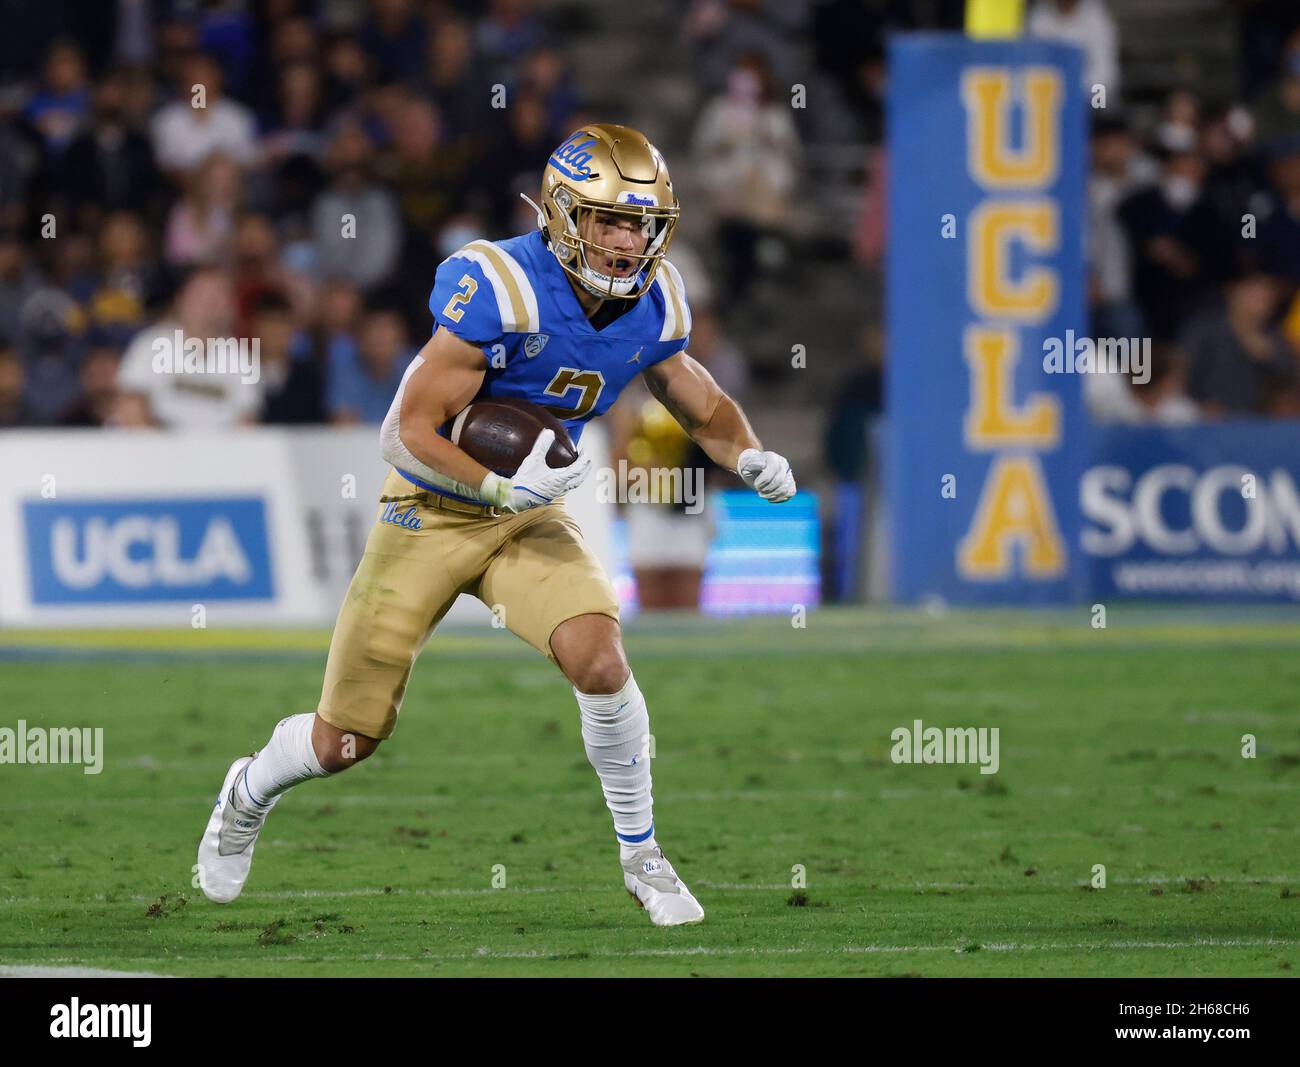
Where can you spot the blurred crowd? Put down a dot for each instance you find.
(291, 172)
(282, 170)
(1193, 230)
(188, 164)
(1194, 242)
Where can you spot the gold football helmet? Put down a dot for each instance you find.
(611, 170)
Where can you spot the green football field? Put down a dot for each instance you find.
(476, 842)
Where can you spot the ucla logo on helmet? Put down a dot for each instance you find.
(572, 158)
(534, 343)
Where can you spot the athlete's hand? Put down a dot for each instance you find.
(767, 473)
(535, 483)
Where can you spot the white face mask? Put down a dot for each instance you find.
(1179, 191)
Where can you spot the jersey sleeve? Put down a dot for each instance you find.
(463, 301)
(675, 334)
(481, 293)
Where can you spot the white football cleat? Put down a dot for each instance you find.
(226, 848)
(654, 885)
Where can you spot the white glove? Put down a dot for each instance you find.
(767, 473)
(534, 483)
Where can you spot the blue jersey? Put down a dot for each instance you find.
(513, 300)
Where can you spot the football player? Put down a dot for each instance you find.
(563, 317)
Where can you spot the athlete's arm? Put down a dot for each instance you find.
(445, 377)
(717, 424)
(713, 420)
(436, 392)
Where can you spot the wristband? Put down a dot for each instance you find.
(495, 490)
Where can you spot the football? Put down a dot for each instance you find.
(499, 432)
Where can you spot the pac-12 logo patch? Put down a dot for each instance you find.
(534, 343)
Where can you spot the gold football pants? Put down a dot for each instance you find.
(532, 569)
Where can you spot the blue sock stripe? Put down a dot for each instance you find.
(638, 838)
(243, 777)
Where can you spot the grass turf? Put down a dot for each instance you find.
(1119, 747)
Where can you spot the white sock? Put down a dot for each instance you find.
(616, 733)
(284, 761)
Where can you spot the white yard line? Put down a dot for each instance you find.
(40, 970)
(405, 801)
(814, 889)
(486, 953)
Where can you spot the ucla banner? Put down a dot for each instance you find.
(102, 528)
(1202, 513)
(985, 272)
(143, 551)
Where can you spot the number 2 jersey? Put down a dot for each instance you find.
(512, 299)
